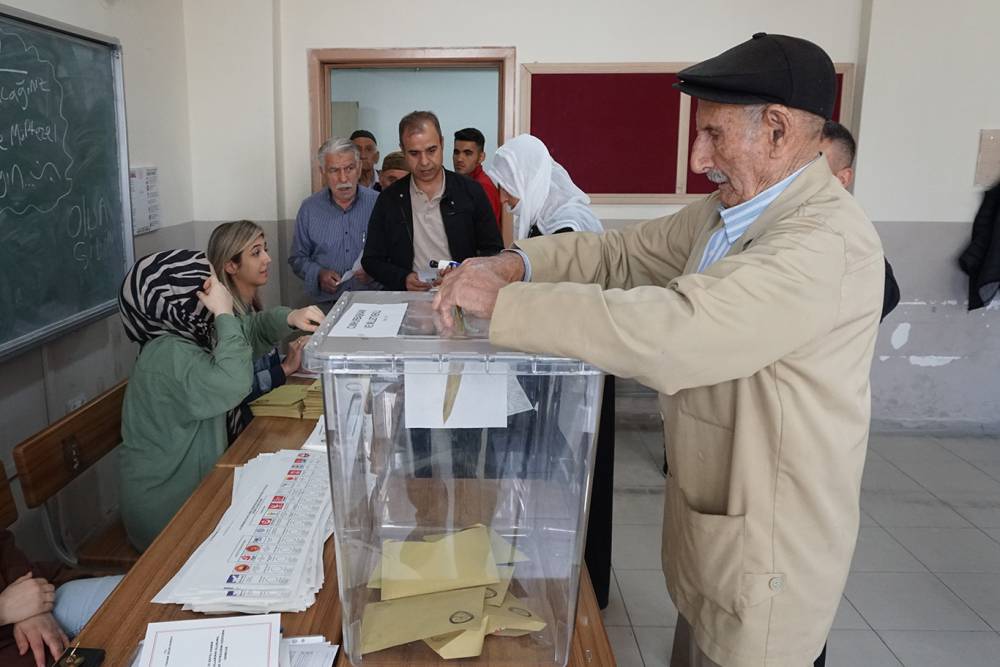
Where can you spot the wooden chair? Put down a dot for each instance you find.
(8, 510)
(51, 459)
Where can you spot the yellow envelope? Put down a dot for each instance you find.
(504, 551)
(394, 622)
(464, 644)
(286, 394)
(496, 593)
(458, 560)
(512, 615)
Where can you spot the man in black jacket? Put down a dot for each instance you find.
(431, 214)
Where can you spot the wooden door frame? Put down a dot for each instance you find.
(322, 61)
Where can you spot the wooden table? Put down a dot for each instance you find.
(120, 623)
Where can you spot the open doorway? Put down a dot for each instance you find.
(372, 89)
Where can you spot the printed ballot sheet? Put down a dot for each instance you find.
(240, 641)
(266, 552)
(370, 320)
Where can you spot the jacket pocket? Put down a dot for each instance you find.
(707, 550)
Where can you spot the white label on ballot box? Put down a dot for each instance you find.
(481, 400)
(239, 641)
(370, 320)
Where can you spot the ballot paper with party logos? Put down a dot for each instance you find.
(266, 553)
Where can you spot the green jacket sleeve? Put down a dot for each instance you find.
(212, 383)
(266, 329)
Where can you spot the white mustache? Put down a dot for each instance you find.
(345, 187)
(716, 176)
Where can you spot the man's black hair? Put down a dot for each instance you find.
(471, 134)
(415, 120)
(363, 134)
(837, 133)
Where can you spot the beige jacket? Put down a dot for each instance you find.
(766, 357)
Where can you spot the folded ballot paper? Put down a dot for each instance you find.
(266, 553)
(240, 641)
(449, 590)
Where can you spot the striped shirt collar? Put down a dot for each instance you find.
(737, 219)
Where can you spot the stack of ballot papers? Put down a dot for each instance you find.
(244, 641)
(448, 590)
(312, 404)
(288, 400)
(266, 553)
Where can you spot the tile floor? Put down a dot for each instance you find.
(924, 589)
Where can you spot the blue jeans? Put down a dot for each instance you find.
(76, 601)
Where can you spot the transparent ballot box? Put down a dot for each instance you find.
(460, 475)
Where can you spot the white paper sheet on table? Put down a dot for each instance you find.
(238, 641)
(266, 552)
(370, 320)
(481, 400)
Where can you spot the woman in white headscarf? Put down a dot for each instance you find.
(538, 191)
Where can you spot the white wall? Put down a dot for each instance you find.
(460, 98)
(229, 49)
(931, 86)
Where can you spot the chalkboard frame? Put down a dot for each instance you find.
(48, 332)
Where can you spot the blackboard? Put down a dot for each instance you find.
(65, 223)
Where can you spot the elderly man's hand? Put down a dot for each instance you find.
(329, 280)
(474, 285)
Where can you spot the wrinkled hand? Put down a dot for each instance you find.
(293, 360)
(362, 276)
(36, 633)
(306, 319)
(216, 297)
(474, 285)
(329, 280)
(25, 597)
(415, 284)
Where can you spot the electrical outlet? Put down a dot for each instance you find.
(75, 403)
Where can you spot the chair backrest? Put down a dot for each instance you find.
(8, 510)
(51, 459)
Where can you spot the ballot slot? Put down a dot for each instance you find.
(425, 514)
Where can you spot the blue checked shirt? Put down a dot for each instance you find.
(736, 220)
(329, 237)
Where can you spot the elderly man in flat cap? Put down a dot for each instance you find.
(755, 310)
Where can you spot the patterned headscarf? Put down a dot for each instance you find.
(159, 297)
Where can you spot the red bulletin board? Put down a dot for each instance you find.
(622, 131)
(697, 183)
(613, 132)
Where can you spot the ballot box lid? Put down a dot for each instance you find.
(380, 332)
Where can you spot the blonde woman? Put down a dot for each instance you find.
(238, 253)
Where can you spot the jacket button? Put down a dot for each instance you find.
(776, 584)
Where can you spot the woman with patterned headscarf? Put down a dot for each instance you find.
(194, 367)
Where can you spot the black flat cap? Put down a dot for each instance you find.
(766, 69)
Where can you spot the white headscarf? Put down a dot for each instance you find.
(549, 198)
